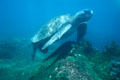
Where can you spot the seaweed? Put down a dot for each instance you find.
(82, 62)
(71, 61)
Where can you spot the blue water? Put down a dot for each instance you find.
(22, 18)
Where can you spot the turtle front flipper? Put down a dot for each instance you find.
(81, 31)
(57, 36)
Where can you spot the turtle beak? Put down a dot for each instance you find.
(88, 13)
(91, 11)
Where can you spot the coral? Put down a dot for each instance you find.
(113, 52)
(71, 61)
(82, 63)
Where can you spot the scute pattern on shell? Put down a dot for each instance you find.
(51, 28)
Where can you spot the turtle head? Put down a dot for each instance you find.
(83, 15)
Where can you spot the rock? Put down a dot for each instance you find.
(78, 64)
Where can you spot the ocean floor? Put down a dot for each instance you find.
(69, 62)
(15, 59)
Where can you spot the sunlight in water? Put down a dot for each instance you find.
(117, 2)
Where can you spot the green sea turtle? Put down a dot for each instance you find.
(59, 28)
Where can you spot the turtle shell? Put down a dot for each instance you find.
(50, 28)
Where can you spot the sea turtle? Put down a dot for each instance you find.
(59, 28)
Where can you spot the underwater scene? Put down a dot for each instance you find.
(59, 39)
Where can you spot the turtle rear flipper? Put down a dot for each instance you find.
(34, 50)
(38, 45)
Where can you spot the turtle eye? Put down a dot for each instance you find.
(87, 13)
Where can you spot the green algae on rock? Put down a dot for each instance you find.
(70, 61)
(81, 63)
